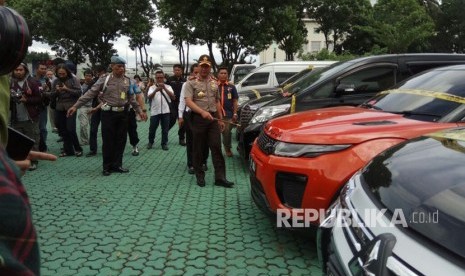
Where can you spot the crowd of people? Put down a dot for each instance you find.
(203, 105)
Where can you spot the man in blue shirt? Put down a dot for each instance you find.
(132, 120)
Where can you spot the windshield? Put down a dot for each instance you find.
(302, 82)
(296, 77)
(428, 97)
(317, 75)
(425, 180)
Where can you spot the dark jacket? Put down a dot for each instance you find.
(33, 98)
(66, 99)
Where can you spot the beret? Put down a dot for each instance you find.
(118, 60)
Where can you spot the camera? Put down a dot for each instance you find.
(15, 39)
(16, 95)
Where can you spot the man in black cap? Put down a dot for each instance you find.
(201, 95)
(116, 100)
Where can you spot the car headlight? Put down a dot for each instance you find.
(242, 100)
(268, 112)
(305, 150)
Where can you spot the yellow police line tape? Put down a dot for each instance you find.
(427, 93)
(257, 93)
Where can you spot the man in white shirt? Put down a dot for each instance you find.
(161, 96)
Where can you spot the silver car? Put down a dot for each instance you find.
(403, 214)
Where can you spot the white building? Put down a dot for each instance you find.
(316, 42)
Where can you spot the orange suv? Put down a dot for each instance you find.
(301, 161)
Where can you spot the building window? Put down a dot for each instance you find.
(316, 46)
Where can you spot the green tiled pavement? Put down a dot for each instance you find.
(156, 220)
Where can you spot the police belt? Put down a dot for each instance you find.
(106, 107)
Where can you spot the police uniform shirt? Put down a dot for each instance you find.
(204, 93)
(116, 92)
(134, 89)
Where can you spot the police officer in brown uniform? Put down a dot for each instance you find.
(201, 95)
(116, 100)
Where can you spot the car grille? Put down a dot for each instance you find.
(246, 116)
(265, 143)
(290, 188)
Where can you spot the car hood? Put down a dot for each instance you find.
(346, 125)
(257, 103)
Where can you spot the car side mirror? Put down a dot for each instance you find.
(345, 88)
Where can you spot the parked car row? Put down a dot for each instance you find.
(272, 74)
(344, 83)
(348, 161)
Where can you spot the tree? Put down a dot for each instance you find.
(177, 16)
(78, 28)
(253, 35)
(139, 29)
(209, 22)
(399, 24)
(36, 56)
(451, 26)
(288, 29)
(339, 19)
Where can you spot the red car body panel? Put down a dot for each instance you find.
(368, 131)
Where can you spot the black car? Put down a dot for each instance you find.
(345, 83)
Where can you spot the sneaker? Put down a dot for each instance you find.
(164, 147)
(135, 151)
(182, 142)
(149, 145)
(191, 170)
(204, 167)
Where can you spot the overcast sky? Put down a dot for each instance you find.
(160, 50)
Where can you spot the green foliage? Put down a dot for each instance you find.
(36, 56)
(79, 28)
(399, 24)
(338, 20)
(288, 29)
(239, 27)
(451, 25)
(324, 54)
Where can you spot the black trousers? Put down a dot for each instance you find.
(182, 129)
(67, 129)
(132, 128)
(189, 146)
(207, 134)
(94, 124)
(114, 137)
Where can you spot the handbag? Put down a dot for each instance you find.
(173, 111)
